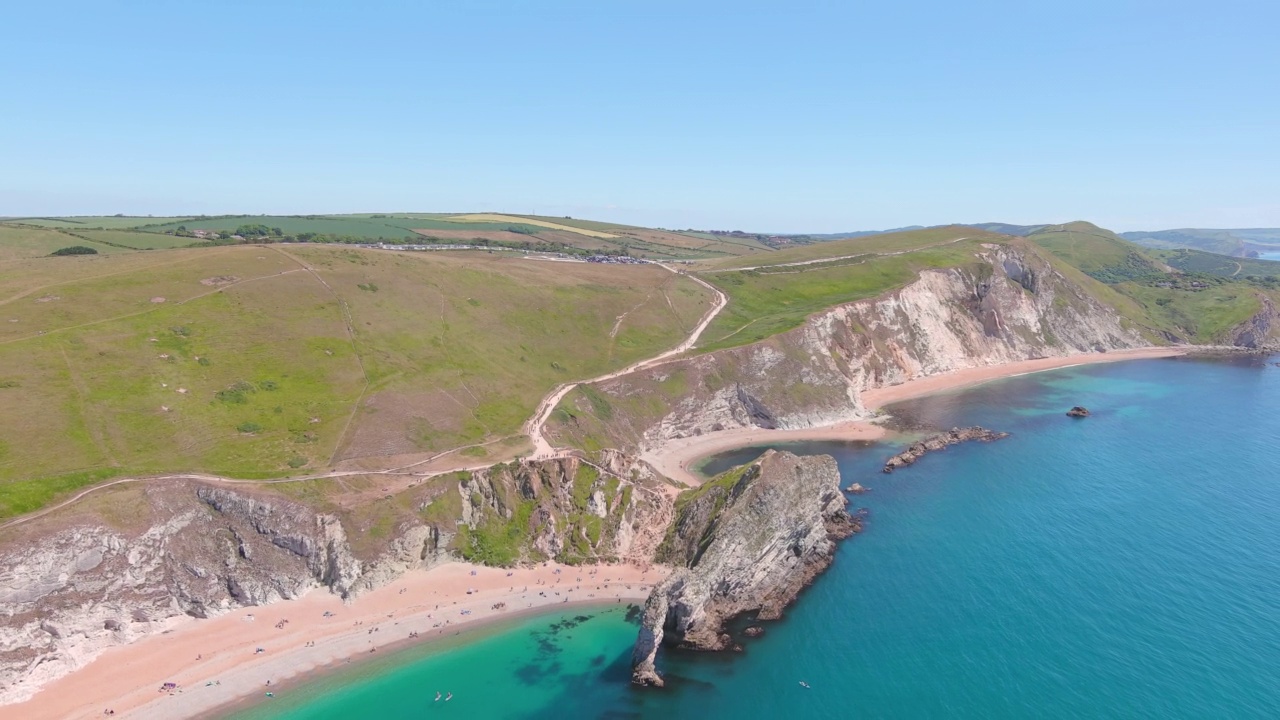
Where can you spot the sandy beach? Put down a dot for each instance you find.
(678, 458)
(215, 662)
(879, 397)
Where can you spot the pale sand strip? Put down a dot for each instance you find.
(676, 459)
(879, 397)
(127, 678)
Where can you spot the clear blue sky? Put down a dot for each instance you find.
(781, 116)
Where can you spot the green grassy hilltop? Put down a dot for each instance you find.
(258, 361)
(259, 357)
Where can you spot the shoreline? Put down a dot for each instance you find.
(307, 637)
(465, 633)
(678, 459)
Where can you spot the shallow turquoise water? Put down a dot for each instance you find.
(1126, 565)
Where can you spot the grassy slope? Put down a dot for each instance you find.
(1099, 253)
(768, 301)
(1133, 276)
(888, 242)
(83, 386)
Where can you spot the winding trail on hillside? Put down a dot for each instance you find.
(542, 448)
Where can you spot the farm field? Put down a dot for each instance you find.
(18, 242)
(273, 360)
(133, 239)
(1197, 261)
(521, 230)
(91, 222)
(885, 243)
(493, 217)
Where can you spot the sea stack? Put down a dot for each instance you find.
(744, 543)
(1078, 412)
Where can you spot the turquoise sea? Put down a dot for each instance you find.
(1122, 566)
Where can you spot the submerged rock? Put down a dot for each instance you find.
(941, 441)
(1078, 412)
(753, 631)
(744, 543)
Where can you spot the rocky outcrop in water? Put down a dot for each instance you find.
(745, 543)
(941, 441)
(1079, 411)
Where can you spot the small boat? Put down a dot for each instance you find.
(437, 696)
(448, 697)
(804, 684)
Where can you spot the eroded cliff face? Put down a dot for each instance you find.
(1012, 305)
(1261, 330)
(86, 587)
(73, 587)
(747, 543)
(573, 510)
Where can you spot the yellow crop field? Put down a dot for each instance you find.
(495, 217)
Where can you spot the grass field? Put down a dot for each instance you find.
(291, 357)
(496, 218)
(1202, 316)
(18, 242)
(143, 233)
(135, 240)
(89, 222)
(886, 243)
(773, 299)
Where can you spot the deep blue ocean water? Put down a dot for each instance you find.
(1122, 566)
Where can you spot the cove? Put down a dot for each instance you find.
(1124, 565)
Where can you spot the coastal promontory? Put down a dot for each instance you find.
(744, 543)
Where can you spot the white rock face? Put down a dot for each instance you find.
(69, 594)
(1012, 306)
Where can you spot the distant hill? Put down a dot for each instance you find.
(1246, 242)
(1099, 253)
(823, 237)
(1007, 229)
(1196, 261)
